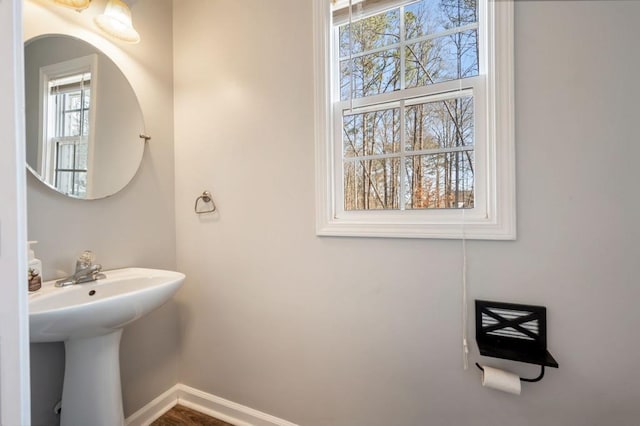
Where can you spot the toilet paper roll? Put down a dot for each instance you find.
(501, 380)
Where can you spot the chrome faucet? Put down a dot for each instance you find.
(86, 271)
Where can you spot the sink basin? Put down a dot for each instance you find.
(89, 318)
(100, 307)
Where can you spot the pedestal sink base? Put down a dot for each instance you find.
(92, 394)
(89, 318)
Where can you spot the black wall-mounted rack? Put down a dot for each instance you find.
(515, 332)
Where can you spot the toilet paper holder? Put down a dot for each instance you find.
(515, 332)
(522, 379)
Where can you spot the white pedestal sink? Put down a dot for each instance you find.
(89, 319)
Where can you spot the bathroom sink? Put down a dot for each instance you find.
(89, 318)
(91, 309)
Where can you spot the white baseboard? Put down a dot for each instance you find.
(153, 410)
(208, 404)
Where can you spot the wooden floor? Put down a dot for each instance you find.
(182, 416)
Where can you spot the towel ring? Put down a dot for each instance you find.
(206, 199)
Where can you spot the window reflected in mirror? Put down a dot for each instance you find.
(69, 105)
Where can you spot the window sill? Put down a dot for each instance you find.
(487, 230)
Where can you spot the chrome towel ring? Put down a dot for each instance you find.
(206, 203)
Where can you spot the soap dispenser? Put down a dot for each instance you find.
(35, 269)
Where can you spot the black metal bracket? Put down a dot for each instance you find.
(513, 331)
(522, 379)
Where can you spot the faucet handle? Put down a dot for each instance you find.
(85, 260)
(87, 256)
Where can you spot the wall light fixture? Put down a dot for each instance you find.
(116, 21)
(74, 4)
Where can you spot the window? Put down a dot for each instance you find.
(69, 100)
(67, 108)
(414, 131)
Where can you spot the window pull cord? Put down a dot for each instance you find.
(465, 345)
(351, 78)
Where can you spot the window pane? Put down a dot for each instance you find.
(80, 184)
(345, 80)
(372, 74)
(81, 156)
(371, 133)
(85, 123)
(66, 154)
(72, 183)
(442, 59)
(371, 184)
(370, 33)
(87, 98)
(72, 101)
(71, 124)
(85, 112)
(422, 18)
(64, 182)
(438, 125)
(72, 155)
(439, 181)
(433, 16)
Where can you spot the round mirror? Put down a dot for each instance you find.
(83, 120)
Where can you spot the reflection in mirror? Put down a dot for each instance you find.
(67, 107)
(83, 119)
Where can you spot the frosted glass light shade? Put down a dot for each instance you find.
(116, 21)
(74, 4)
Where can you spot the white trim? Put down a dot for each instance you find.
(14, 318)
(154, 409)
(361, 7)
(215, 406)
(496, 186)
(322, 115)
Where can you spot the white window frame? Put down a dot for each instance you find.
(493, 217)
(47, 142)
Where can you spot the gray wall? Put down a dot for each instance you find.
(343, 331)
(135, 227)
